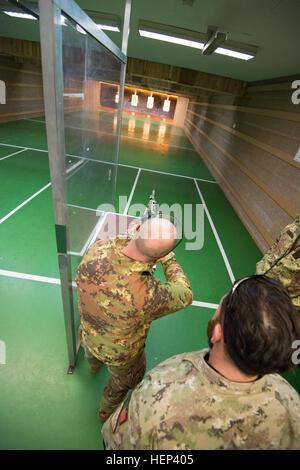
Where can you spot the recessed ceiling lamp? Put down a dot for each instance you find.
(25, 16)
(134, 99)
(150, 102)
(208, 42)
(108, 27)
(105, 21)
(174, 40)
(166, 107)
(236, 54)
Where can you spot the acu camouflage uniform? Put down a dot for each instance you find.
(287, 269)
(185, 404)
(118, 298)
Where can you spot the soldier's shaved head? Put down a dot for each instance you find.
(156, 238)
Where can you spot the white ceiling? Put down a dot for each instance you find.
(272, 25)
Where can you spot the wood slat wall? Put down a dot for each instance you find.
(156, 76)
(24, 90)
(249, 144)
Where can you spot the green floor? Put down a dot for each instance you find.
(41, 406)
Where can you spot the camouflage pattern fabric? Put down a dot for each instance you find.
(121, 380)
(184, 404)
(118, 298)
(287, 270)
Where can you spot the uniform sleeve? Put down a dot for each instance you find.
(172, 295)
(263, 265)
(270, 256)
(285, 241)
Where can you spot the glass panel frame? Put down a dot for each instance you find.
(50, 12)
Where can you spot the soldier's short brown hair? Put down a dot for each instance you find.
(260, 324)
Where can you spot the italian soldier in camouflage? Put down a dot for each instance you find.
(282, 261)
(119, 297)
(202, 400)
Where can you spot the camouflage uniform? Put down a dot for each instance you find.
(118, 298)
(185, 404)
(287, 270)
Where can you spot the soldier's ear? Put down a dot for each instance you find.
(217, 334)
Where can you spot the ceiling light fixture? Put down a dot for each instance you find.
(214, 39)
(173, 39)
(209, 42)
(108, 27)
(235, 54)
(105, 21)
(25, 16)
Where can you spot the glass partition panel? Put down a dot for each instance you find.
(90, 137)
(83, 136)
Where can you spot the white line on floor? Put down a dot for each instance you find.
(29, 277)
(96, 229)
(132, 192)
(53, 280)
(97, 210)
(23, 203)
(142, 168)
(36, 194)
(94, 233)
(82, 207)
(117, 164)
(204, 304)
(227, 264)
(22, 147)
(169, 174)
(12, 154)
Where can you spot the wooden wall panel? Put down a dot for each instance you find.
(281, 135)
(24, 90)
(251, 223)
(184, 81)
(287, 156)
(22, 49)
(267, 172)
(249, 143)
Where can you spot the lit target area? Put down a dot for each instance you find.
(152, 104)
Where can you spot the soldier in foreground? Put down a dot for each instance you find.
(228, 397)
(118, 298)
(282, 261)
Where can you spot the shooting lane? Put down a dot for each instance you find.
(227, 142)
